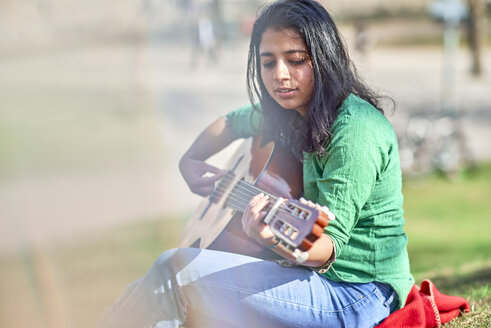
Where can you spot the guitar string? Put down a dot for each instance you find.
(236, 201)
(280, 209)
(237, 205)
(245, 192)
(250, 187)
(240, 202)
(222, 187)
(280, 221)
(243, 189)
(242, 193)
(288, 211)
(251, 190)
(241, 197)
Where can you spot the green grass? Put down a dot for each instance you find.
(447, 222)
(71, 284)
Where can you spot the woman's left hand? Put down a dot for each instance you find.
(252, 221)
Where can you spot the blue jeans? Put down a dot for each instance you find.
(205, 288)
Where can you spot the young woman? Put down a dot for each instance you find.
(306, 95)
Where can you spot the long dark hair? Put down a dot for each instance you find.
(335, 76)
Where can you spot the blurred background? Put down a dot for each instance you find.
(99, 99)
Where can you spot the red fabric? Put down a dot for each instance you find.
(426, 307)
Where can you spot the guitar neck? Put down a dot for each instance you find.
(241, 195)
(294, 224)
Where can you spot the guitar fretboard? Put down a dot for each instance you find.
(241, 194)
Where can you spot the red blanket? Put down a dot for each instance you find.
(426, 307)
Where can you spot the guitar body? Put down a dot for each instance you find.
(216, 226)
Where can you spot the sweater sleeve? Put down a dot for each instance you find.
(244, 121)
(352, 165)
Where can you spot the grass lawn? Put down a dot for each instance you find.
(449, 237)
(70, 285)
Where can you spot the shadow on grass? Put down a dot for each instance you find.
(463, 283)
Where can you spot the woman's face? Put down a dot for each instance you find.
(286, 68)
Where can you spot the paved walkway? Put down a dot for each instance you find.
(95, 134)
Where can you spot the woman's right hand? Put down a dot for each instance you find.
(199, 175)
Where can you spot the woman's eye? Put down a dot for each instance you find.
(297, 62)
(268, 64)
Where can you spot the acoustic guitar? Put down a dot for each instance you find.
(255, 168)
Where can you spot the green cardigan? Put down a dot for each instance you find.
(359, 179)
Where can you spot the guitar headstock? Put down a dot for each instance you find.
(296, 225)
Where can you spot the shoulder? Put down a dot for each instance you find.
(359, 119)
(244, 121)
(360, 133)
(358, 112)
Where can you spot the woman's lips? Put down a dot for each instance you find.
(285, 92)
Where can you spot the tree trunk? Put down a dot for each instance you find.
(476, 34)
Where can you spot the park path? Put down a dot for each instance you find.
(95, 134)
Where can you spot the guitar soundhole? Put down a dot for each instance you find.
(222, 187)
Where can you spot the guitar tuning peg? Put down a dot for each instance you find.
(306, 202)
(300, 256)
(329, 214)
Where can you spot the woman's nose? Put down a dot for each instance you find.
(282, 71)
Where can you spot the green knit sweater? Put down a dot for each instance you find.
(359, 179)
